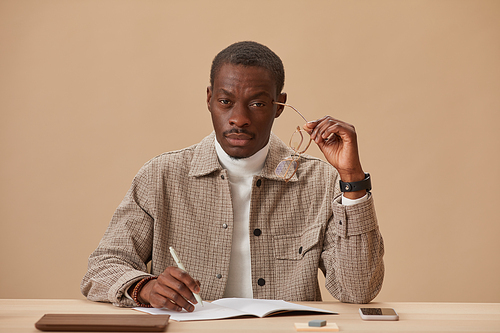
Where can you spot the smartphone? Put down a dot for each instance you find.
(378, 314)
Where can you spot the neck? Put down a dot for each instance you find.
(242, 167)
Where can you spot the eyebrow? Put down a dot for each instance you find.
(258, 94)
(224, 91)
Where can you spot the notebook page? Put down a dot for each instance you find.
(263, 307)
(206, 312)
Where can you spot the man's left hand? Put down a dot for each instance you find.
(338, 142)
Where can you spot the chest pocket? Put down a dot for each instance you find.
(294, 247)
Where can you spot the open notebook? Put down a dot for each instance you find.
(235, 307)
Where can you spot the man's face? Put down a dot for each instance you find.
(241, 103)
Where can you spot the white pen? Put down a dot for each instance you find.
(181, 266)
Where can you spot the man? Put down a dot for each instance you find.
(240, 229)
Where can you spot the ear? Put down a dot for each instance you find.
(280, 108)
(209, 97)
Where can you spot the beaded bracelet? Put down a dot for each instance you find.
(137, 289)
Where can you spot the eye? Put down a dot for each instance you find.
(224, 101)
(257, 104)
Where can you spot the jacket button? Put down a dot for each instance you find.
(222, 177)
(259, 182)
(261, 282)
(257, 232)
(300, 250)
(340, 222)
(224, 226)
(219, 276)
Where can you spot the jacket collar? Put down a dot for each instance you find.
(205, 160)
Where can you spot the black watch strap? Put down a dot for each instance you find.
(365, 184)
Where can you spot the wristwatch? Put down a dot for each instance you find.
(365, 184)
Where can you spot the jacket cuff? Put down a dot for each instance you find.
(119, 291)
(356, 219)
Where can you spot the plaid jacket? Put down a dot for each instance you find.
(182, 199)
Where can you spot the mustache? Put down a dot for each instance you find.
(238, 131)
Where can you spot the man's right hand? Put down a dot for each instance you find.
(171, 290)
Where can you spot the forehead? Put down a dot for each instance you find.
(240, 78)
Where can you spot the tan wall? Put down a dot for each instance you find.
(91, 90)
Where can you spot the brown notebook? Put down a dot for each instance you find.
(103, 322)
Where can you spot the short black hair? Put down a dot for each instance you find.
(250, 53)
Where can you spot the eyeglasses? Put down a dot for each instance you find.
(288, 167)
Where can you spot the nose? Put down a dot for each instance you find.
(239, 116)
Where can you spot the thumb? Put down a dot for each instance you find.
(309, 126)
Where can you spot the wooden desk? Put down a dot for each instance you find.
(19, 316)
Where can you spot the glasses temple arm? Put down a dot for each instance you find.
(300, 114)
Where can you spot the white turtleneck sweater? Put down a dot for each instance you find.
(241, 172)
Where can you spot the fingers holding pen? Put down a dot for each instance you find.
(174, 290)
(187, 283)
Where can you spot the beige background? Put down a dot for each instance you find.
(91, 90)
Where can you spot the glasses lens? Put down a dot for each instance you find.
(300, 141)
(286, 169)
(297, 140)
